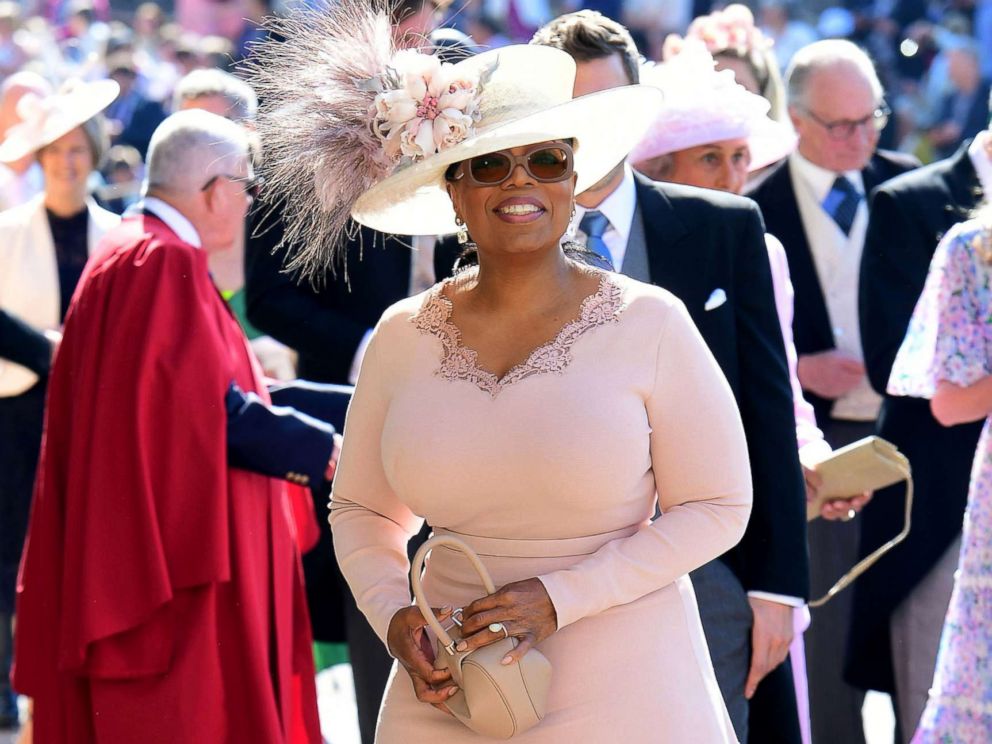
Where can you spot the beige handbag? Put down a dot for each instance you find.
(868, 464)
(495, 700)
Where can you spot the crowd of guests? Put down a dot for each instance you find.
(846, 296)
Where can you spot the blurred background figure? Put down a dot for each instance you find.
(964, 110)
(20, 179)
(44, 245)
(122, 171)
(788, 33)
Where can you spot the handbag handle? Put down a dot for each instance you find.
(900, 463)
(417, 568)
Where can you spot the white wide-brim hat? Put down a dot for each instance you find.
(704, 105)
(46, 119)
(527, 100)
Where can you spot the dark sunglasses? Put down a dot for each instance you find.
(545, 163)
(252, 185)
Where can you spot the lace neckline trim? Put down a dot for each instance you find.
(458, 362)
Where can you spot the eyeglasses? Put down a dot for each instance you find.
(545, 163)
(845, 128)
(252, 184)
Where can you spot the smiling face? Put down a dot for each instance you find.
(519, 215)
(718, 165)
(67, 164)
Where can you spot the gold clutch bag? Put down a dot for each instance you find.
(866, 465)
(869, 464)
(495, 700)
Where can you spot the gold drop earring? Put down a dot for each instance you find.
(462, 234)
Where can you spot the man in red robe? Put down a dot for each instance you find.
(161, 595)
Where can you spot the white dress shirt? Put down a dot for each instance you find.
(837, 258)
(619, 208)
(173, 218)
(981, 158)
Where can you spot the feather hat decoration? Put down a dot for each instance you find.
(320, 150)
(354, 128)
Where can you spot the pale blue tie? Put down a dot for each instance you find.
(595, 224)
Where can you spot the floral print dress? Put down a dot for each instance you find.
(950, 338)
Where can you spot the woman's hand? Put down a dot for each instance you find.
(523, 608)
(407, 640)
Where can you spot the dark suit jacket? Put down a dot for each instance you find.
(908, 217)
(811, 325)
(325, 321)
(699, 241)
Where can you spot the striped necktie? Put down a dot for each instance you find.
(842, 203)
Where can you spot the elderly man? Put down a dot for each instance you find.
(814, 202)
(161, 597)
(708, 249)
(899, 606)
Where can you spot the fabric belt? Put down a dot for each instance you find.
(501, 547)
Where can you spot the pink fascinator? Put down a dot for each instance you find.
(704, 105)
(731, 28)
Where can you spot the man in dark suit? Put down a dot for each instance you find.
(899, 605)
(708, 249)
(814, 203)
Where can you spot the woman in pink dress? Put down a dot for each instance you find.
(534, 406)
(947, 357)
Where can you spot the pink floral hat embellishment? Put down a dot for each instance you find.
(425, 106)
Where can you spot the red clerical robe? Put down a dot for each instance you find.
(161, 594)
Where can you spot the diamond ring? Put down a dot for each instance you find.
(499, 628)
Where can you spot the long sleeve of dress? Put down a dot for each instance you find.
(700, 463)
(370, 525)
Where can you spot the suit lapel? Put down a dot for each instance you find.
(672, 263)
(811, 322)
(963, 184)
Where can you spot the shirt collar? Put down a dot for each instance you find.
(820, 180)
(981, 160)
(618, 207)
(173, 218)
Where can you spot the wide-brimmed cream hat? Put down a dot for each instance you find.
(46, 119)
(526, 100)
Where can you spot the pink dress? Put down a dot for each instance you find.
(554, 471)
(950, 338)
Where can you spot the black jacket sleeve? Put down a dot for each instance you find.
(22, 344)
(774, 548)
(276, 441)
(894, 265)
(289, 308)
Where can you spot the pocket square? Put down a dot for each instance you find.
(716, 299)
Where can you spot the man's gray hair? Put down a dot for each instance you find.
(823, 54)
(241, 99)
(191, 147)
